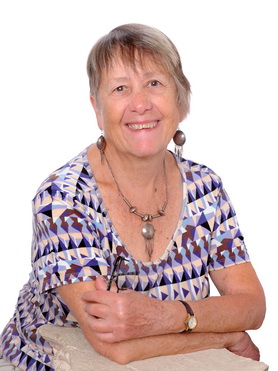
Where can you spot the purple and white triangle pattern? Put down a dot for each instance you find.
(74, 241)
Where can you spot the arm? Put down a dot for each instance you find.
(136, 349)
(241, 305)
(130, 315)
(157, 335)
(172, 344)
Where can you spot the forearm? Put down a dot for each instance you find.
(130, 315)
(162, 345)
(221, 314)
(238, 312)
(241, 305)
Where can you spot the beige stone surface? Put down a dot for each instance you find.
(73, 352)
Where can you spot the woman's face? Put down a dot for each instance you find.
(137, 108)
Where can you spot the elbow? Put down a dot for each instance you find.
(115, 352)
(259, 320)
(260, 314)
(120, 353)
(120, 358)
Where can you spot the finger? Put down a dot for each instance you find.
(102, 332)
(98, 325)
(97, 310)
(99, 296)
(100, 283)
(108, 337)
(113, 287)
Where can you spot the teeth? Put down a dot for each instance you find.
(148, 125)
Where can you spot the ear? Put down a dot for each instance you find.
(95, 105)
(93, 101)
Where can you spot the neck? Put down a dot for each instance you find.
(147, 230)
(138, 173)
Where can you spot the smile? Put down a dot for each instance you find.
(148, 125)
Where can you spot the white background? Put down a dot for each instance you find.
(229, 54)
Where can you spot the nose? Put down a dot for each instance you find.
(140, 102)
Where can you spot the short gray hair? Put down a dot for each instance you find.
(131, 41)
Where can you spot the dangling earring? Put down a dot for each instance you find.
(179, 140)
(101, 144)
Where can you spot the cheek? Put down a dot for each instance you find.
(98, 112)
(99, 120)
(110, 120)
(174, 113)
(115, 113)
(102, 115)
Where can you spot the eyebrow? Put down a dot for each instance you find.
(146, 75)
(119, 79)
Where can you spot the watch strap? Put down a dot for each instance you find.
(190, 314)
(187, 307)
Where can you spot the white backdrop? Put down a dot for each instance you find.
(229, 53)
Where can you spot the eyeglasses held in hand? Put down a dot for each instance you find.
(116, 272)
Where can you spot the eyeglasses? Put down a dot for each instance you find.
(116, 272)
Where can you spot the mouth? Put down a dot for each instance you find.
(146, 125)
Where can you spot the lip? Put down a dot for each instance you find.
(143, 125)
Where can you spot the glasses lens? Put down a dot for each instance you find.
(123, 274)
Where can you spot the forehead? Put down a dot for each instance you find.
(145, 65)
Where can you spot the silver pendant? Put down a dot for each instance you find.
(148, 234)
(148, 231)
(179, 140)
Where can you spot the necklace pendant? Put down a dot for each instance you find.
(147, 218)
(101, 143)
(148, 231)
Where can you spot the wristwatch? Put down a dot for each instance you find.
(190, 321)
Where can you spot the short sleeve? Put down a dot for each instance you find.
(65, 245)
(227, 246)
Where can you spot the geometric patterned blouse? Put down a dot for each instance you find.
(74, 241)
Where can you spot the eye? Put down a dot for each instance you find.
(154, 83)
(120, 88)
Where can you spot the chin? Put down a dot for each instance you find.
(147, 152)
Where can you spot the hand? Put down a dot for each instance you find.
(244, 346)
(125, 315)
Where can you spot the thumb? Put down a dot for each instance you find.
(100, 284)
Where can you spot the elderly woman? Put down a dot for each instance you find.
(127, 233)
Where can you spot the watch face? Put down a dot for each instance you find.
(192, 322)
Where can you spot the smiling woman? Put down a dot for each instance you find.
(133, 43)
(127, 234)
(131, 100)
